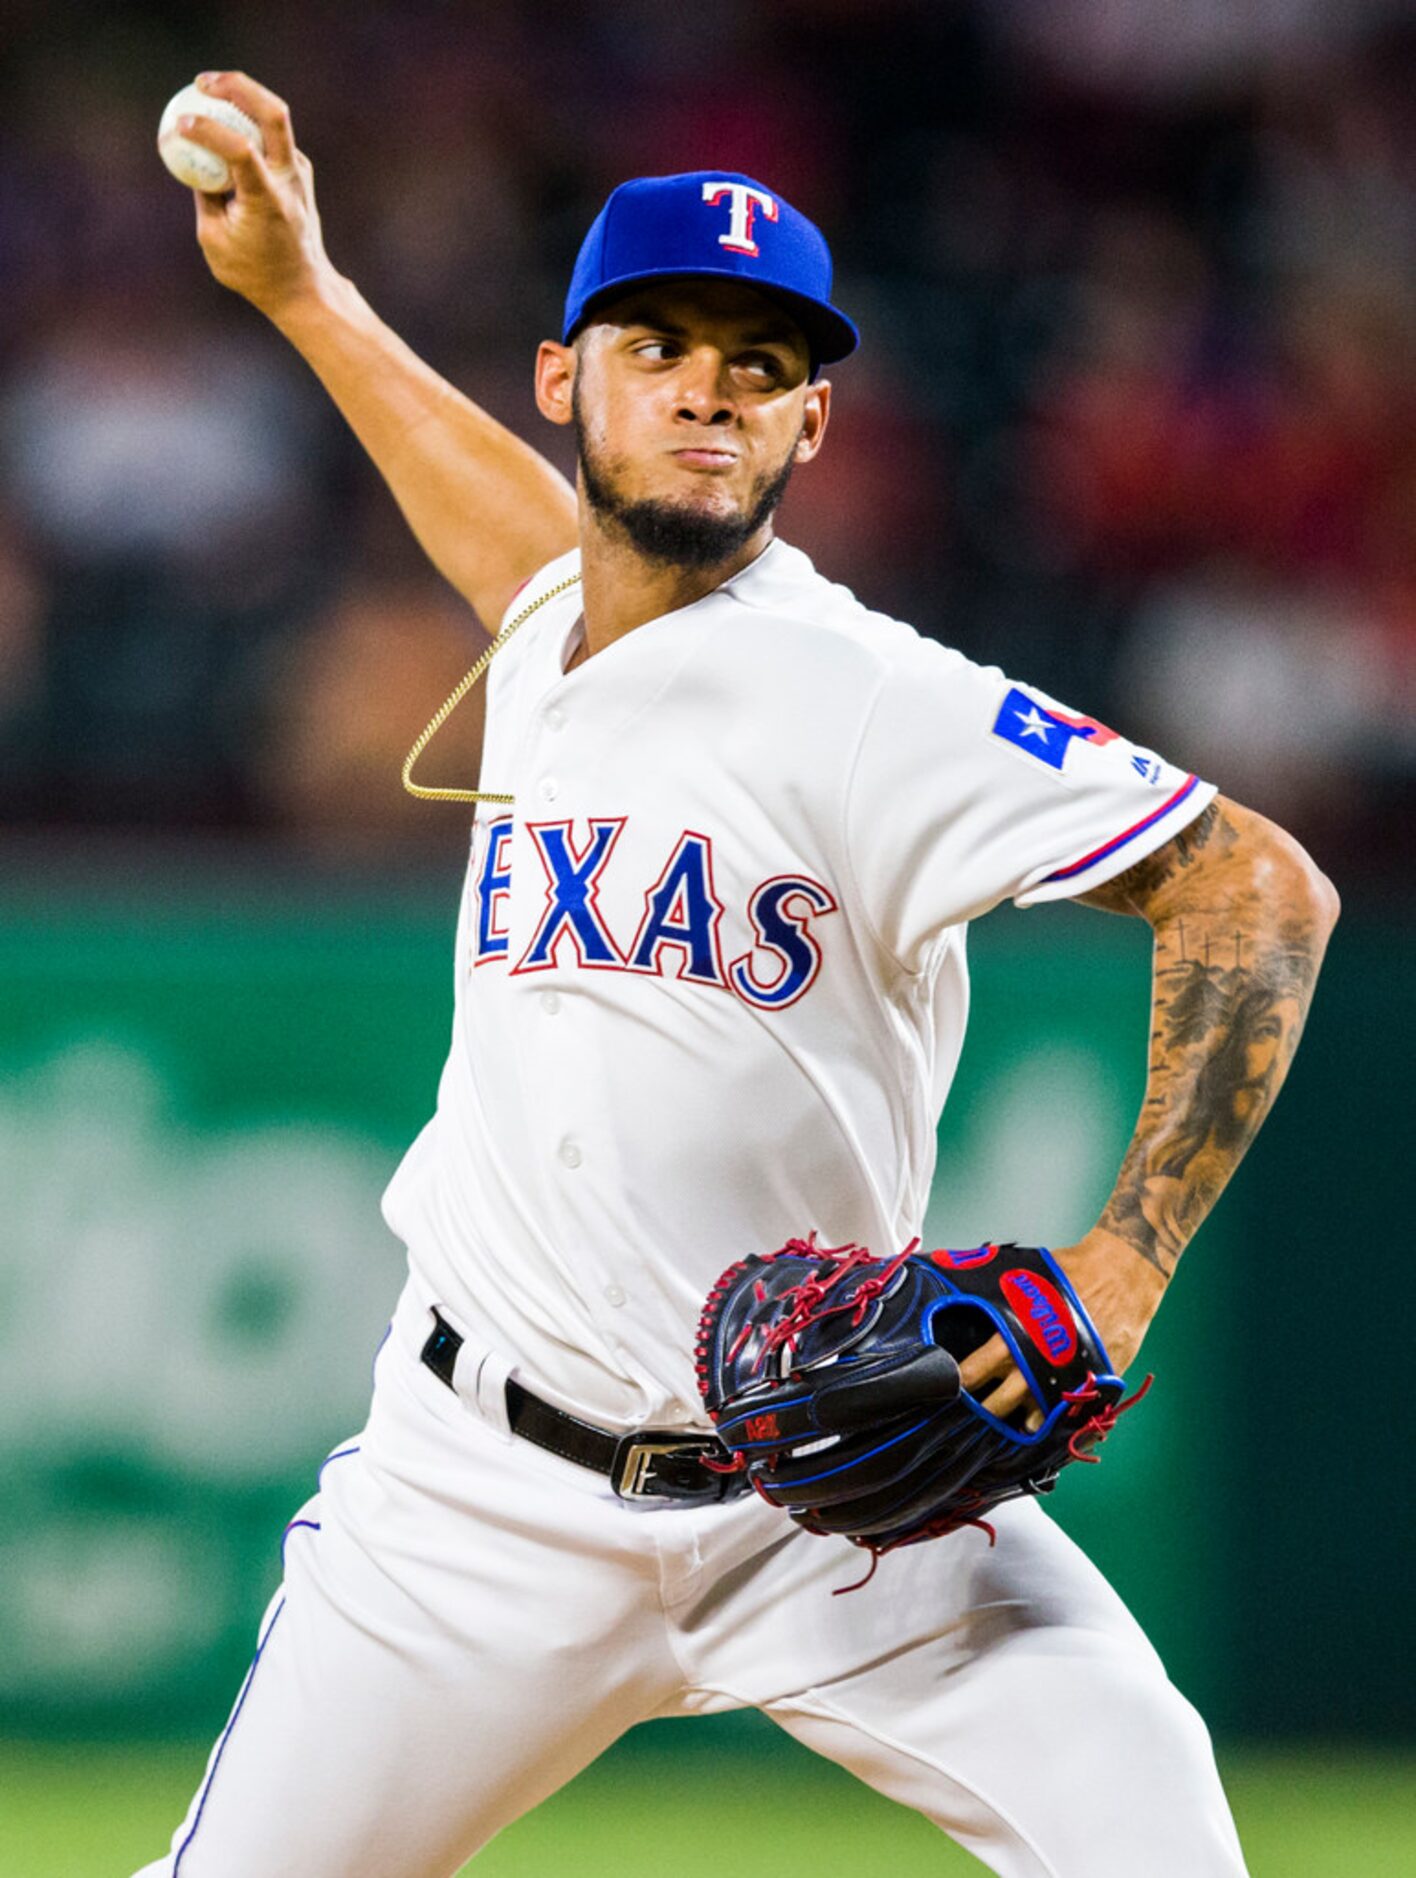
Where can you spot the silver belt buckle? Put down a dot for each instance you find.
(635, 1459)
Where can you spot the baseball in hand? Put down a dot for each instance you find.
(188, 161)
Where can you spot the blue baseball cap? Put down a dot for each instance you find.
(714, 224)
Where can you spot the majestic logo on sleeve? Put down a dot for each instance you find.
(681, 933)
(1045, 733)
(745, 201)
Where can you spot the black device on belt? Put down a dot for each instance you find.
(645, 1464)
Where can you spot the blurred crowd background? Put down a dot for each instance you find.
(1133, 416)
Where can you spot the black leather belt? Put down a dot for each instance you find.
(645, 1464)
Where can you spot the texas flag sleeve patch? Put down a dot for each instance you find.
(1044, 734)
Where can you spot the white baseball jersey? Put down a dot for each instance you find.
(710, 993)
(710, 978)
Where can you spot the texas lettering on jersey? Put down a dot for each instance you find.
(680, 933)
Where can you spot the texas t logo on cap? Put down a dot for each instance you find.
(746, 202)
(710, 224)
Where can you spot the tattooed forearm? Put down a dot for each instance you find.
(1241, 920)
(1133, 891)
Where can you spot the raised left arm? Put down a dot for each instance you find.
(1241, 918)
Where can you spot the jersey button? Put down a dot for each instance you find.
(570, 1153)
(614, 1295)
(550, 1002)
(547, 789)
(555, 718)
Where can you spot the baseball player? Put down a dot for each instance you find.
(709, 993)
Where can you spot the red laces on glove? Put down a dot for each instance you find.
(1098, 1426)
(808, 1302)
(733, 1466)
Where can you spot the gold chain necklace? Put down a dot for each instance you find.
(446, 710)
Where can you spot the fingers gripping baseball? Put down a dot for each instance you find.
(263, 238)
(272, 114)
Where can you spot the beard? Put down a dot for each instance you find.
(674, 534)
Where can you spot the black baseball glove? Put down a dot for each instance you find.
(833, 1378)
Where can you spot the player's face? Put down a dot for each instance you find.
(692, 404)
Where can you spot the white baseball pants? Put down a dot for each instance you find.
(467, 1621)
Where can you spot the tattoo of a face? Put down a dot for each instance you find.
(1233, 978)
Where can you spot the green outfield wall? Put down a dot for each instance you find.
(206, 1078)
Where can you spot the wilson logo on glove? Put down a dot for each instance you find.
(1042, 1314)
(964, 1261)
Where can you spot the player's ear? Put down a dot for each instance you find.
(814, 416)
(555, 380)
